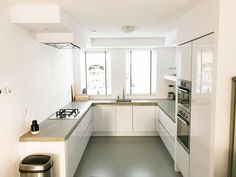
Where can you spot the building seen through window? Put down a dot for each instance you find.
(96, 73)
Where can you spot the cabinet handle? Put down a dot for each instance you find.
(183, 90)
(184, 121)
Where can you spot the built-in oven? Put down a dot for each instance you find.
(183, 128)
(184, 95)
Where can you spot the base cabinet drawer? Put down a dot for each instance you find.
(77, 154)
(158, 110)
(77, 135)
(182, 160)
(168, 124)
(167, 140)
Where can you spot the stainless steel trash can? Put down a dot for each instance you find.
(36, 166)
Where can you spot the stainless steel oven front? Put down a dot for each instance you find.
(184, 95)
(183, 128)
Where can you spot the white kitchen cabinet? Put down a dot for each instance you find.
(168, 124)
(157, 118)
(200, 135)
(77, 155)
(124, 116)
(167, 132)
(183, 60)
(104, 118)
(77, 135)
(182, 160)
(167, 140)
(77, 143)
(144, 118)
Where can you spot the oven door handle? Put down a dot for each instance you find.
(184, 90)
(182, 120)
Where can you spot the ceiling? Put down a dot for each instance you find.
(151, 18)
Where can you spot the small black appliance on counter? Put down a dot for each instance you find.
(171, 94)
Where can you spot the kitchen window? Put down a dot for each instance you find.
(96, 73)
(141, 72)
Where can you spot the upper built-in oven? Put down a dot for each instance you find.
(184, 95)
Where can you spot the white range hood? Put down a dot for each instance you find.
(51, 25)
(58, 40)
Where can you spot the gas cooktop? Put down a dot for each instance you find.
(65, 114)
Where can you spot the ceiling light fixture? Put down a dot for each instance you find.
(128, 28)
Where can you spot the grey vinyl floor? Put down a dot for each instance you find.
(126, 157)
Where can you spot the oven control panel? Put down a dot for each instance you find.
(183, 114)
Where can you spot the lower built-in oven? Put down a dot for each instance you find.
(183, 129)
(184, 95)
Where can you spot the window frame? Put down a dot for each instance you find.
(105, 70)
(150, 74)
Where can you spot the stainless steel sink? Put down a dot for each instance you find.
(123, 100)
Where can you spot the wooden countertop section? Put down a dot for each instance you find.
(60, 130)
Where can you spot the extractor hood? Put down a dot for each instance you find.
(58, 40)
(63, 45)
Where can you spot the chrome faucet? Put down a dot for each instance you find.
(123, 97)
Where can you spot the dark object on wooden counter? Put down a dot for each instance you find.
(34, 127)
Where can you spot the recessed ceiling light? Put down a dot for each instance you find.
(128, 28)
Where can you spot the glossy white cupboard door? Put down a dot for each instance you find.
(77, 143)
(77, 155)
(104, 118)
(167, 140)
(202, 64)
(157, 118)
(168, 124)
(124, 116)
(183, 57)
(77, 135)
(182, 160)
(144, 118)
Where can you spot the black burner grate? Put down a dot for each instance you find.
(67, 113)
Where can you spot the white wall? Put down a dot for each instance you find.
(226, 68)
(40, 77)
(200, 20)
(127, 42)
(165, 59)
(77, 71)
